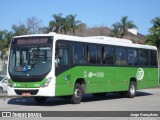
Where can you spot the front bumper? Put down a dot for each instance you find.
(45, 92)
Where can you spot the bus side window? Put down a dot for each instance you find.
(108, 55)
(132, 57)
(78, 53)
(62, 57)
(143, 57)
(121, 56)
(153, 58)
(93, 53)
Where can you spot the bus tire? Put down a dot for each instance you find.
(40, 99)
(132, 89)
(77, 96)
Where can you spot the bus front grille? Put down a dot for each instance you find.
(32, 92)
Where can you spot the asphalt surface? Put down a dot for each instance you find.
(145, 100)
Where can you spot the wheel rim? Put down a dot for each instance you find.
(77, 93)
(132, 90)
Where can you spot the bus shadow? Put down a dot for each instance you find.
(140, 94)
(112, 96)
(60, 101)
(31, 102)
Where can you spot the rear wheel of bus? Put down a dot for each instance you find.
(131, 93)
(132, 89)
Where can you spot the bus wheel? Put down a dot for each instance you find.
(132, 89)
(77, 96)
(40, 99)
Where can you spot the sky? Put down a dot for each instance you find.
(92, 12)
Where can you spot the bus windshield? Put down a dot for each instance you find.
(30, 60)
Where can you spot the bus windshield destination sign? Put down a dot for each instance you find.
(31, 41)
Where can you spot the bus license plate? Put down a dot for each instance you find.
(26, 94)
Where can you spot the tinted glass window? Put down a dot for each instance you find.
(143, 57)
(153, 58)
(120, 56)
(93, 54)
(63, 56)
(132, 56)
(108, 55)
(98, 54)
(78, 53)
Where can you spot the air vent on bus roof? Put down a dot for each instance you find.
(113, 39)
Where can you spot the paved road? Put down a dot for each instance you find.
(146, 100)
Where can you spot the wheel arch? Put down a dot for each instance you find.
(133, 79)
(82, 82)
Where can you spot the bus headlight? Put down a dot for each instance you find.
(47, 82)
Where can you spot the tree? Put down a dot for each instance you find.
(156, 25)
(33, 25)
(73, 22)
(66, 25)
(153, 38)
(116, 30)
(56, 24)
(120, 29)
(81, 29)
(19, 30)
(5, 38)
(43, 30)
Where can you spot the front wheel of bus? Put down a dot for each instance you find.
(77, 96)
(132, 89)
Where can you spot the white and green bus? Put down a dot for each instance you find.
(48, 65)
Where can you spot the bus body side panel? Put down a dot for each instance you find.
(149, 80)
(104, 79)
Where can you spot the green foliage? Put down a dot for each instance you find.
(19, 30)
(56, 24)
(116, 30)
(153, 38)
(66, 24)
(5, 38)
(120, 29)
(73, 22)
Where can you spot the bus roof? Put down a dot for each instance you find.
(95, 39)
